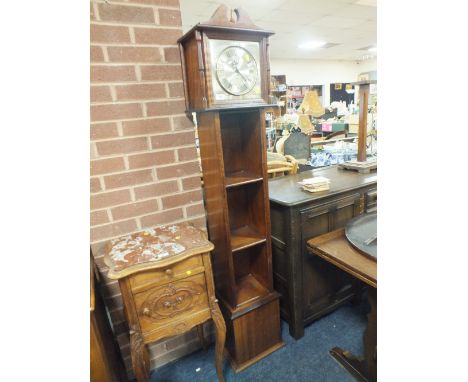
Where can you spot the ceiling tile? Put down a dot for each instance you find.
(350, 23)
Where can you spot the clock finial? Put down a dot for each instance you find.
(223, 16)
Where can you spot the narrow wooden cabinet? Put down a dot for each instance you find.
(226, 83)
(233, 154)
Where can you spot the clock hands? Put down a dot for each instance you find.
(246, 81)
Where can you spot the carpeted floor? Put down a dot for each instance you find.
(305, 360)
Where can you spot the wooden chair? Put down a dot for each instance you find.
(279, 165)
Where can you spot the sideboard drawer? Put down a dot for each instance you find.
(371, 200)
(159, 306)
(185, 268)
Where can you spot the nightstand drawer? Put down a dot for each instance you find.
(185, 268)
(162, 305)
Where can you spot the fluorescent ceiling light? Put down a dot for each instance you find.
(312, 44)
(373, 49)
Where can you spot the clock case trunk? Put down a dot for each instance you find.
(233, 155)
(196, 67)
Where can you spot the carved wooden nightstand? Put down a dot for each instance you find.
(166, 281)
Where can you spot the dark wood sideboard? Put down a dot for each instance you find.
(309, 286)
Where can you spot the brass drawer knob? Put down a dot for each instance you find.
(169, 272)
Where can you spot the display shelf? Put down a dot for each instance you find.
(249, 289)
(240, 178)
(245, 237)
(246, 207)
(249, 270)
(240, 134)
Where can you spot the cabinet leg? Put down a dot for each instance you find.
(140, 357)
(220, 328)
(370, 337)
(201, 337)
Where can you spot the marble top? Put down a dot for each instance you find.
(152, 246)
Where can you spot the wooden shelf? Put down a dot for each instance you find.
(240, 178)
(245, 237)
(249, 290)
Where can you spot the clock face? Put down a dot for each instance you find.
(236, 70)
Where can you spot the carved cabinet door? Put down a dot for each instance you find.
(323, 283)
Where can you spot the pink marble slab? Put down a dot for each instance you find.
(153, 245)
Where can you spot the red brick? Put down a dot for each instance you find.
(151, 159)
(128, 179)
(172, 140)
(99, 217)
(134, 54)
(95, 185)
(99, 249)
(170, 3)
(92, 16)
(134, 209)
(156, 189)
(181, 199)
(163, 217)
(176, 89)
(182, 123)
(115, 111)
(197, 209)
(112, 289)
(191, 183)
(114, 303)
(108, 199)
(187, 153)
(96, 54)
(157, 36)
(161, 72)
(122, 146)
(112, 73)
(109, 34)
(112, 230)
(146, 126)
(140, 92)
(165, 108)
(172, 55)
(178, 170)
(124, 13)
(103, 130)
(170, 17)
(100, 94)
(199, 223)
(104, 166)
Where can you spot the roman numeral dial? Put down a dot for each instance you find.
(236, 70)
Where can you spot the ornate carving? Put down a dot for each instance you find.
(220, 328)
(171, 300)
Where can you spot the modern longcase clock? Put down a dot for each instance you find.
(226, 82)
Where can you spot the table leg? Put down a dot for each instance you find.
(220, 329)
(140, 357)
(370, 337)
(365, 369)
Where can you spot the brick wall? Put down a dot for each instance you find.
(144, 167)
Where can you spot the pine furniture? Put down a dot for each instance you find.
(226, 82)
(166, 282)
